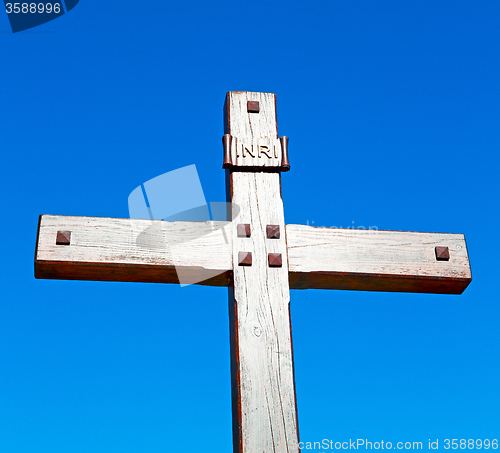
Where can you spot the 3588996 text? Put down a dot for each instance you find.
(32, 8)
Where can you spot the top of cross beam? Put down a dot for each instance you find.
(251, 133)
(240, 121)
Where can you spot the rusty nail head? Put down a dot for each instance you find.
(273, 231)
(243, 230)
(244, 258)
(253, 107)
(442, 253)
(63, 238)
(275, 260)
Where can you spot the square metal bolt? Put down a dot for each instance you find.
(244, 258)
(275, 260)
(253, 107)
(63, 238)
(442, 253)
(273, 231)
(243, 230)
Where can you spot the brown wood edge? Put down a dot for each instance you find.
(235, 373)
(378, 282)
(237, 418)
(68, 270)
(249, 169)
(64, 270)
(37, 241)
(225, 114)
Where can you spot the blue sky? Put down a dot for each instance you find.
(392, 109)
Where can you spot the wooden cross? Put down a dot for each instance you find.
(262, 260)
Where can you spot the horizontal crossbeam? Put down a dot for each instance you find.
(376, 260)
(132, 250)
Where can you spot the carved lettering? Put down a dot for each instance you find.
(249, 150)
(260, 152)
(264, 149)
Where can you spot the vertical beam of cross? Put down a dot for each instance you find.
(263, 388)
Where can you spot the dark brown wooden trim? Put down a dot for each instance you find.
(378, 282)
(112, 272)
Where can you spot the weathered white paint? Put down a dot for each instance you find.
(199, 251)
(374, 260)
(195, 251)
(262, 363)
(376, 252)
(263, 382)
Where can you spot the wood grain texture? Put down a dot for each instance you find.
(263, 388)
(132, 250)
(155, 251)
(374, 260)
(264, 403)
